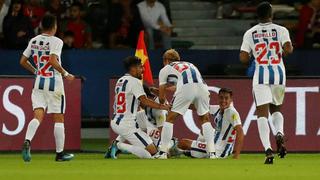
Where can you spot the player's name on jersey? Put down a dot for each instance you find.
(41, 48)
(265, 35)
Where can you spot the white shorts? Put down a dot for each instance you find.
(196, 94)
(268, 94)
(198, 150)
(130, 132)
(48, 100)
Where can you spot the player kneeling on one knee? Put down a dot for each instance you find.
(228, 135)
(128, 95)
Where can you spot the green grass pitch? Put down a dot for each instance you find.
(92, 166)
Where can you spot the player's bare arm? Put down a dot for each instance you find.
(238, 142)
(244, 57)
(150, 103)
(154, 90)
(287, 48)
(53, 60)
(24, 62)
(162, 93)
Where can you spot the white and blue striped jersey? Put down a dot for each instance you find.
(265, 42)
(40, 48)
(127, 91)
(156, 116)
(180, 72)
(225, 133)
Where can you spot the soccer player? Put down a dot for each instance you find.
(268, 42)
(190, 89)
(229, 133)
(48, 92)
(149, 120)
(129, 94)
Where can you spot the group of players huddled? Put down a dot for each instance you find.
(143, 117)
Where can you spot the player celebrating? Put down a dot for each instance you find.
(229, 134)
(190, 89)
(128, 95)
(150, 121)
(268, 42)
(48, 92)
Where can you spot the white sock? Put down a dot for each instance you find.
(59, 136)
(264, 132)
(32, 128)
(277, 120)
(138, 151)
(166, 136)
(208, 134)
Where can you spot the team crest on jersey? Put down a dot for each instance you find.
(234, 117)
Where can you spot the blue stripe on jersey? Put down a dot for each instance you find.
(62, 104)
(151, 114)
(225, 150)
(159, 142)
(281, 75)
(52, 81)
(194, 75)
(255, 41)
(119, 119)
(124, 85)
(230, 151)
(41, 83)
(261, 72)
(227, 132)
(271, 74)
(141, 139)
(132, 104)
(185, 77)
(216, 137)
(276, 37)
(198, 150)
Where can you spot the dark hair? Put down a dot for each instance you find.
(48, 22)
(20, 14)
(264, 10)
(131, 61)
(147, 91)
(226, 90)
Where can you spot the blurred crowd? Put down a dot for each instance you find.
(115, 24)
(87, 24)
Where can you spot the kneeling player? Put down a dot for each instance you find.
(149, 120)
(228, 133)
(128, 95)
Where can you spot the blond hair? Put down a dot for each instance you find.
(171, 55)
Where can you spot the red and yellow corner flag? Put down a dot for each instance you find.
(141, 52)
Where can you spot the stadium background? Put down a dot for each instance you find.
(206, 33)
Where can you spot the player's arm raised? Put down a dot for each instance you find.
(239, 141)
(24, 62)
(150, 103)
(53, 60)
